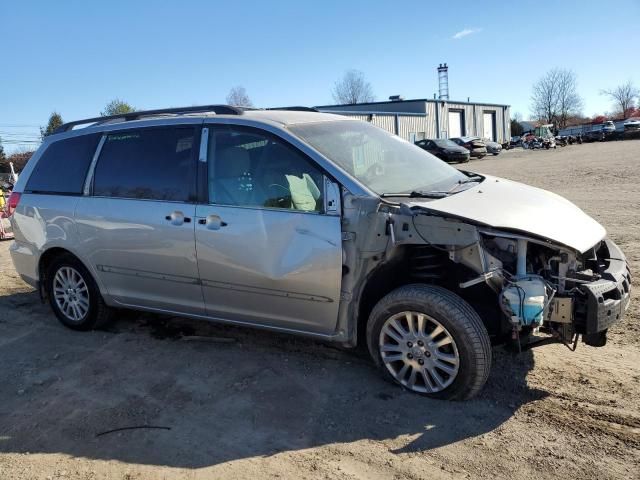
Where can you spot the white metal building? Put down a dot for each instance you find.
(429, 118)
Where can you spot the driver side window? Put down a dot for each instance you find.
(251, 169)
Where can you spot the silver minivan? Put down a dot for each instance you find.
(312, 224)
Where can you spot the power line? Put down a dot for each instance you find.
(19, 136)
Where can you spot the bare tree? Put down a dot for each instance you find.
(352, 88)
(624, 97)
(19, 159)
(544, 98)
(238, 96)
(555, 98)
(569, 102)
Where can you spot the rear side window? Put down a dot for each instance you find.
(63, 166)
(152, 164)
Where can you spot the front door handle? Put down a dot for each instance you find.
(212, 222)
(177, 218)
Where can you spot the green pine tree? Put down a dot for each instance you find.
(55, 120)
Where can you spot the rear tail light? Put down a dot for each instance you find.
(12, 204)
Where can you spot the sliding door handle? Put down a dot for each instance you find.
(212, 222)
(177, 218)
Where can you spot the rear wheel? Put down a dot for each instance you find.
(430, 341)
(74, 295)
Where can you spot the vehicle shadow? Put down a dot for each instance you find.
(220, 393)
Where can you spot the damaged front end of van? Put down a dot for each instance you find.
(533, 265)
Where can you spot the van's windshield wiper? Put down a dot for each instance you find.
(473, 179)
(434, 193)
(415, 194)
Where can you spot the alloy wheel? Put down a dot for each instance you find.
(419, 352)
(71, 293)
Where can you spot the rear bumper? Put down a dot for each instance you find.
(605, 301)
(25, 262)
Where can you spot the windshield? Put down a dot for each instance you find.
(443, 143)
(382, 161)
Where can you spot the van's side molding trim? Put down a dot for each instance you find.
(214, 284)
(265, 291)
(146, 274)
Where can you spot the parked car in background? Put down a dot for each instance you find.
(631, 128)
(632, 124)
(514, 142)
(609, 127)
(445, 150)
(494, 148)
(602, 132)
(595, 136)
(476, 147)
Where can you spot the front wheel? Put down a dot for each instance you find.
(430, 341)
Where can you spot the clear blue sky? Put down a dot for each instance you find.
(75, 56)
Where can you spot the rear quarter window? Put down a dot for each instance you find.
(63, 166)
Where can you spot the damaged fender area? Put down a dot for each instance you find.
(520, 285)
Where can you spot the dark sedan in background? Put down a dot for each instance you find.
(445, 150)
(474, 145)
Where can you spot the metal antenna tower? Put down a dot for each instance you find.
(443, 81)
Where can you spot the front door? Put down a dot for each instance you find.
(268, 254)
(136, 227)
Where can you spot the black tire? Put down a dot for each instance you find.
(456, 316)
(98, 314)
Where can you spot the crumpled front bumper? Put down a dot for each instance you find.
(607, 299)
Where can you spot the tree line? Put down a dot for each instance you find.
(351, 88)
(555, 100)
(21, 157)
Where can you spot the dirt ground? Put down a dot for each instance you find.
(260, 405)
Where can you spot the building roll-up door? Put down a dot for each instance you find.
(455, 124)
(489, 125)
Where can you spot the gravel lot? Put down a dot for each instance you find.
(259, 405)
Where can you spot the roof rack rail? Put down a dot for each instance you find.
(126, 117)
(296, 109)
